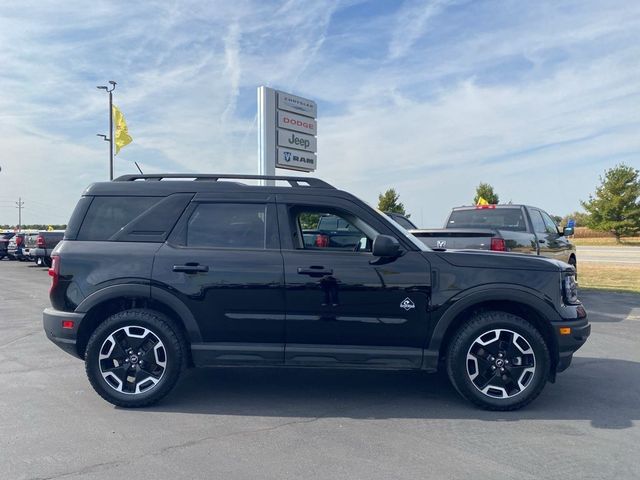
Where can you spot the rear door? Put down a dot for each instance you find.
(223, 261)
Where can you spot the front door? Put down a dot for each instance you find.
(345, 306)
(223, 261)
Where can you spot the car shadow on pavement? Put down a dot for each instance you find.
(610, 307)
(603, 391)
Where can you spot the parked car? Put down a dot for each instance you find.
(504, 228)
(5, 237)
(46, 241)
(155, 275)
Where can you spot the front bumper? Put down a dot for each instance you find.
(65, 338)
(570, 340)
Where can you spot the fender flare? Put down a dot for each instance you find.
(492, 292)
(149, 292)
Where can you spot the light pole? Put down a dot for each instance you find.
(110, 138)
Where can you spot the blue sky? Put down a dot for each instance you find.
(429, 97)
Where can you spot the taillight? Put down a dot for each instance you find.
(40, 242)
(498, 244)
(19, 241)
(54, 271)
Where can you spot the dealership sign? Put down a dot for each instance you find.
(287, 130)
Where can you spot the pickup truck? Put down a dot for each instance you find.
(45, 242)
(504, 228)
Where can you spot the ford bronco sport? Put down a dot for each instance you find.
(156, 275)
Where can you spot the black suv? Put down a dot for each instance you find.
(156, 275)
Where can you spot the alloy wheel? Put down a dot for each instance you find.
(132, 360)
(501, 363)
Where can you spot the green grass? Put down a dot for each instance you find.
(606, 242)
(600, 276)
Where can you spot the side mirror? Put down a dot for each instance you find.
(385, 246)
(566, 231)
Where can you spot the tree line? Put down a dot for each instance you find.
(34, 226)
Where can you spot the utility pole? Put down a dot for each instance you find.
(19, 206)
(110, 137)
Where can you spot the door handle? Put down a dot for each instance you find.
(542, 240)
(315, 271)
(190, 268)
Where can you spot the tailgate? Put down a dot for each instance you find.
(456, 239)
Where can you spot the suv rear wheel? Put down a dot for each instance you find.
(498, 361)
(134, 358)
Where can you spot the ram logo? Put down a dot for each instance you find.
(441, 243)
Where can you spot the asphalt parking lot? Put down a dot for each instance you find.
(278, 424)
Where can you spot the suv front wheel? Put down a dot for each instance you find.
(498, 361)
(134, 358)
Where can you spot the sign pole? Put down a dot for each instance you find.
(111, 133)
(266, 137)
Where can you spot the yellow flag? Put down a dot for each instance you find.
(482, 201)
(121, 132)
(49, 228)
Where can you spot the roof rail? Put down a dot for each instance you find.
(293, 181)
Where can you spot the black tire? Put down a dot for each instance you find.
(470, 362)
(171, 350)
(46, 261)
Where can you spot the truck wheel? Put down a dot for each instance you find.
(498, 361)
(134, 358)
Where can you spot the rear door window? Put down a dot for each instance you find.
(227, 225)
(538, 222)
(106, 216)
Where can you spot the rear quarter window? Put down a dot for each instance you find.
(106, 216)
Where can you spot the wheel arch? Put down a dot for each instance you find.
(522, 303)
(116, 298)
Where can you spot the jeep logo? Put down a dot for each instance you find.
(294, 140)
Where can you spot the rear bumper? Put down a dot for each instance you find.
(65, 338)
(570, 340)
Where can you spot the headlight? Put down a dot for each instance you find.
(570, 289)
